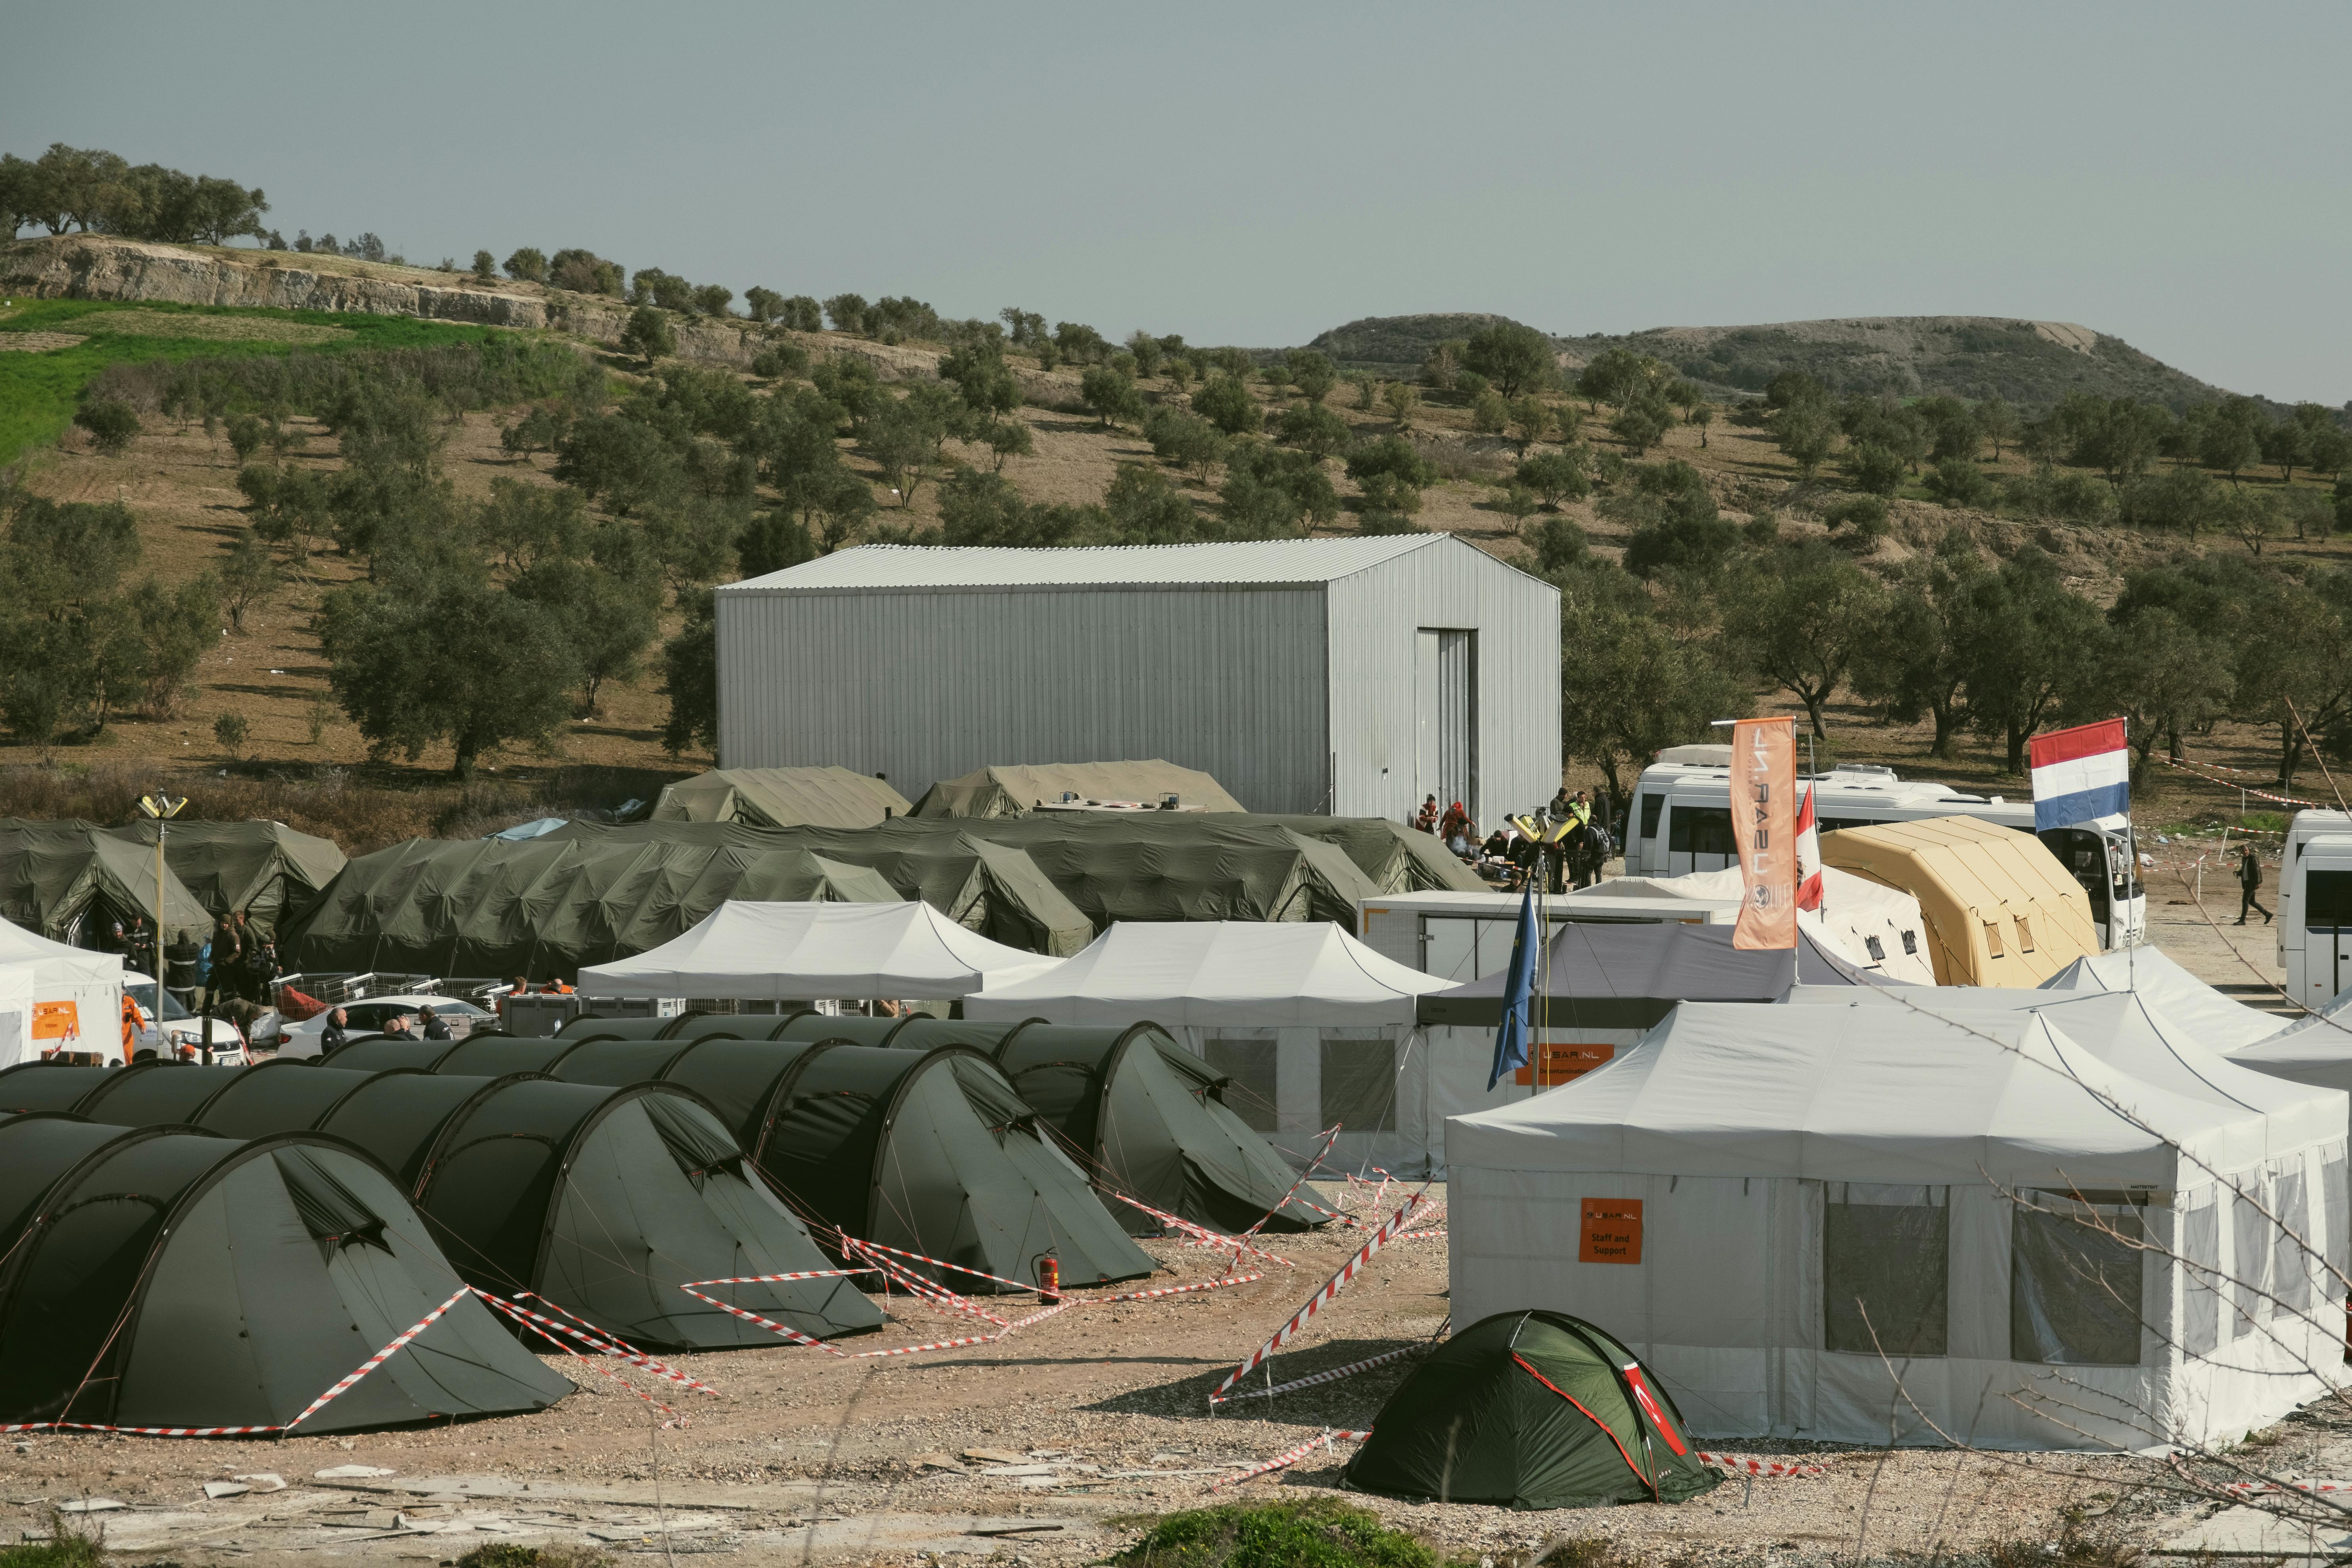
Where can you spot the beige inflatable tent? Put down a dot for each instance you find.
(1017, 791)
(1999, 908)
(781, 797)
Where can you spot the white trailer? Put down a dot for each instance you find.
(1468, 936)
(1679, 821)
(2314, 907)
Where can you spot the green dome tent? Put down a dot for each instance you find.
(603, 1199)
(166, 1277)
(930, 1152)
(1149, 1119)
(1531, 1410)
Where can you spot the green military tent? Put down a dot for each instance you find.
(265, 868)
(1016, 791)
(1148, 1119)
(604, 1200)
(1531, 1410)
(160, 1278)
(70, 881)
(546, 906)
(930, 1152)
(781, 797)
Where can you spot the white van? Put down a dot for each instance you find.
(1680, 822)
(2314, 907)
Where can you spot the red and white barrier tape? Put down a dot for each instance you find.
(1334, 1375)
(870, 1248)
(2243, 789)
(928, 1289)
(1203, 1235)
(588, 1335)
(1221, 1282)
(364, 1368)
(2255, 1489)
(1740, 1464)
(1289, 1457)
(542, 1327)
(1315, 1303)
(769, 1324)
(1329, 1138)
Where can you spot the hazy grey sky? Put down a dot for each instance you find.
(2177, 176)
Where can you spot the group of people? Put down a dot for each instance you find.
(1577, 846)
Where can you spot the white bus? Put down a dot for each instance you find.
(2314, 907)
(1680, 821)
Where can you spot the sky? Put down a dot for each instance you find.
(2176, 175)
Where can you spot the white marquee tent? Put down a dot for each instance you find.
(805, 952)
(1760, 1200)
(1855, 912)
(2220, 1022)
(1313, 1026)
(36, 972)
(2315, 1048)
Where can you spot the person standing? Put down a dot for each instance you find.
(226, 961)
(2249, 882)
(1426, 818)
(331, 1038)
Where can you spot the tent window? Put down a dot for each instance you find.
(2074, 1288)
(2200, 1251)
(2290, 1264)
(2024, 934)
(2331, 1219)
(1911, 942)
(335, 1216)
(1886, 1266)
(1360, 1084)
(1249, 1064)
(1877, 948)
(1992, 939)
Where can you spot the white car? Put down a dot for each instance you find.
(370, 1013)
(178, 1032)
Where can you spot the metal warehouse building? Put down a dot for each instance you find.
(1348, 676)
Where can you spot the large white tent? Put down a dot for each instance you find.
(807, 951)
(2314, 1048)
(2222, 1023)
(56, 997)
(1314, 1027)
(1838, 1222)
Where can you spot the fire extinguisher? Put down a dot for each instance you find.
(1049, 1278)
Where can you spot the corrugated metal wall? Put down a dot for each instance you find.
(931, 684)
(1376, 702)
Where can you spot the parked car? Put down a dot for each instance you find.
(178, 1032)
(371, 1015)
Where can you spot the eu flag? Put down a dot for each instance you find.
(1518, 994)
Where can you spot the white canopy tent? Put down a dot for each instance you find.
(805, 952)
(2220, 1022)
(1759, 1201)
(50, 989)
(1314, 1027)
(1855, 914)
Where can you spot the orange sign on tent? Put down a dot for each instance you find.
(1612, 1231)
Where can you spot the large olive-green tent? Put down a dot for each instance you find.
(1017, 790)
(70, 881)
(265, 868)
(604, 1200)
(1148, 1119)
(545, 906)
(781, 797)
(1531, 1410)
(160, 1278)
(930, 1152)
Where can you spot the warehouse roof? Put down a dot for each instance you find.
(1264, 561)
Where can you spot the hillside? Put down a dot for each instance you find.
(2032, 364)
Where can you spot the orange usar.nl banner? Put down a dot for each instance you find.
(1763, 824)
(1611, 1232)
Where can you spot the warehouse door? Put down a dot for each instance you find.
(1445, 700)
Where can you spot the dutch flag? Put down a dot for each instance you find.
(2082, 776)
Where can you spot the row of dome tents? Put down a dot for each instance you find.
(603, 1200)
(163, 1276)
(585, 893)
(71, 881)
